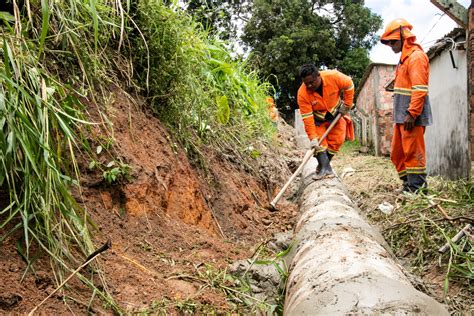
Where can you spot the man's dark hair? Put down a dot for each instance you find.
(308, 69)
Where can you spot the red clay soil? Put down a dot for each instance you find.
(165, 223)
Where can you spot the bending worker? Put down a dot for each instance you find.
(319, 100)
(411, 105)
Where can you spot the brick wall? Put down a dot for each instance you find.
(366, 104)
(385, 105)
(376, 105)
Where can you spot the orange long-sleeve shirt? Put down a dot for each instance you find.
(312, 105)
(411, 87)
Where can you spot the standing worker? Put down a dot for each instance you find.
(411, 105)
(319, 101)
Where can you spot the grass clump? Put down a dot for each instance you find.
(195, 86)
(52, 54)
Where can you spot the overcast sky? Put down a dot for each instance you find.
(429, 23)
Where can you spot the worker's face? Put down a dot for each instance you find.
(312, 82)
(395, 45)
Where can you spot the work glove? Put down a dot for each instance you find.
(315, 146)
(408, 122)
(343, 109)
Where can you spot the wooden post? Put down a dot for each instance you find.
(470, 75)
(454, 10)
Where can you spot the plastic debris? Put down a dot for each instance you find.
(385, 207)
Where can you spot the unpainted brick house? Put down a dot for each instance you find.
(373, 117)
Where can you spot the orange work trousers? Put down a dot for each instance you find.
(335, 138)
(408, 151)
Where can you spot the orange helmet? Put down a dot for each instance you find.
(392, 27)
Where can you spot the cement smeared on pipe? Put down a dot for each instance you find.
(339, 264)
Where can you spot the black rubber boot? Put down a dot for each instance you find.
(326, 170)
(318, 168)
(404, 187)
(416, 182)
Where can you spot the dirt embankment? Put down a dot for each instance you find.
(169, 220)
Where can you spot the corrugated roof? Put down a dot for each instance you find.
(442, 44)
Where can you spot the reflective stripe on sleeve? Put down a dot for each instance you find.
(423, 88)
(351, 87)
(402, 91)
(319, 114)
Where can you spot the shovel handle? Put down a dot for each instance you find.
(306, 158)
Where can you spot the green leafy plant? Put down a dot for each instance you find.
(116, 171)
(51, 56)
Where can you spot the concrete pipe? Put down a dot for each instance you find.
(341, 265)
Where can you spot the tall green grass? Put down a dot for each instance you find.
(52, 53)
(204, 95)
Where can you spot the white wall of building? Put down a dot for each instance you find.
(447, 140)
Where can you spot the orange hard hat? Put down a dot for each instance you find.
(392, 28)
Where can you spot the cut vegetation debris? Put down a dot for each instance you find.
(419, 225)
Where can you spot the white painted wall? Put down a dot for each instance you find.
(447, 140)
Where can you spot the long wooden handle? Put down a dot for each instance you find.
(306, 158)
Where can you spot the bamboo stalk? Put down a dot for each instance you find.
(455, 239)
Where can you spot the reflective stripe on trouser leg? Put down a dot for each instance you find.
(413, 143)
(413, 157)
(336, 136)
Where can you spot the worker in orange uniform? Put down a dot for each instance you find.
(272, 110)
(411, 105)
(319, 100)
